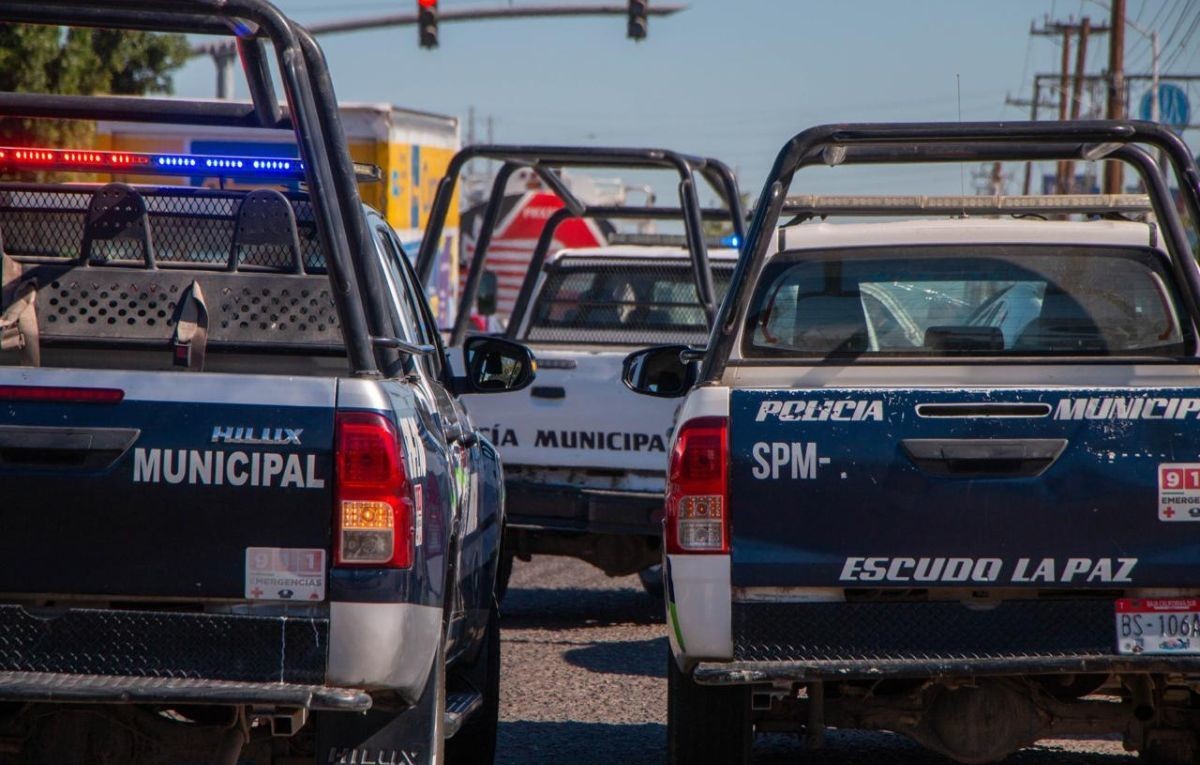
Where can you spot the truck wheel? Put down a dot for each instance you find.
(706, 725)
(475, 742)
(652, 581)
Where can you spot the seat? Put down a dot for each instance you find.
(266, 227)
(1064, 324)
(830, 324)
(117, 214)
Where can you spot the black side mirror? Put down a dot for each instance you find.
(496, 365)
(485, 299)
(660, 371)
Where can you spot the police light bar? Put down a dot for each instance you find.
(1046, 204)
(74, 160)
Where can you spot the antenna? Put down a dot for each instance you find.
(962, 172)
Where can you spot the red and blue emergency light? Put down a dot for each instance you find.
(73, 160)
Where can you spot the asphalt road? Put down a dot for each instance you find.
(584, 683)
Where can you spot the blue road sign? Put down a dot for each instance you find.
(1174, 109)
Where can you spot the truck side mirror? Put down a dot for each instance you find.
(660, 371)
(496, 365)
(485, 299)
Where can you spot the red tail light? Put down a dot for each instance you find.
(373, 494)
(40, 394)
(698, 488)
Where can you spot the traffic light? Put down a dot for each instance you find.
(638, 22)
(427, 23)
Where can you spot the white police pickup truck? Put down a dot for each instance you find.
(584, 458)
(940, 477)
(583, 455)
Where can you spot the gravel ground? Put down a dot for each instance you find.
(584, 683)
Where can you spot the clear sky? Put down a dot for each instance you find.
(730, 78)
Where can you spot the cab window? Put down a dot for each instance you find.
(1010, 300)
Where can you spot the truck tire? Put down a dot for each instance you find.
(652, 581)
(706, 725)
(475, 742)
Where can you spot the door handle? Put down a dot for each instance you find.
(51, 447)
(984, 457)
(548, 391)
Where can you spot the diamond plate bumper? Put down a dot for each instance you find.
(777, 641)
(159, 644)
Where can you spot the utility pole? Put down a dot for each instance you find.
(1067, 95)
(1085, 24)
(1060, 184)
(1033, 105)
(1116, 89)
(471, 167)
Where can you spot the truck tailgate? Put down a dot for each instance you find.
(1010, 487)
(160, 488)
(578, 414)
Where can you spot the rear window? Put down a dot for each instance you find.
(623, 302)
(999, 300)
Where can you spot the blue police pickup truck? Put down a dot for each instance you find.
(245, 515)
(940, 475)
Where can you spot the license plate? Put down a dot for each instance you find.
(1158, 626)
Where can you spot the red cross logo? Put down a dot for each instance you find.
(256, 592)
(1169, 512)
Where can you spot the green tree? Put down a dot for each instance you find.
(44, 59)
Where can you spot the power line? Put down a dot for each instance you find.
(1170, 62)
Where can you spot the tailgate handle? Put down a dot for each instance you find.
(984, 457)
(48, 447)
(548, 391)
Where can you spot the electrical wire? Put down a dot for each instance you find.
(1169, 64)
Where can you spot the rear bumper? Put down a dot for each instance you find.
(562, 507)
(102, 689)
(165, 645)
(160, 656)
(750, 672)
(877, 639)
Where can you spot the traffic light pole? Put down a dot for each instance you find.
(224, 54)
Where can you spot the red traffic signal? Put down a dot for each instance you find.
(427, 23)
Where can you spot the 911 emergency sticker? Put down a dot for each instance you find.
(285, 573)
(1179, 492)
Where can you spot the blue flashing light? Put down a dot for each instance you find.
(138, 163)
(731, 240)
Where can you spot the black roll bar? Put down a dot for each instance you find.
(491, 216)
(143, 109)
(545, 161)
(312, 114)
(542, 249)
(912, 143)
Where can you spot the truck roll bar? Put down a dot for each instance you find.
(933, 142)
(542, 250)
(311, 113)
(545, 161)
